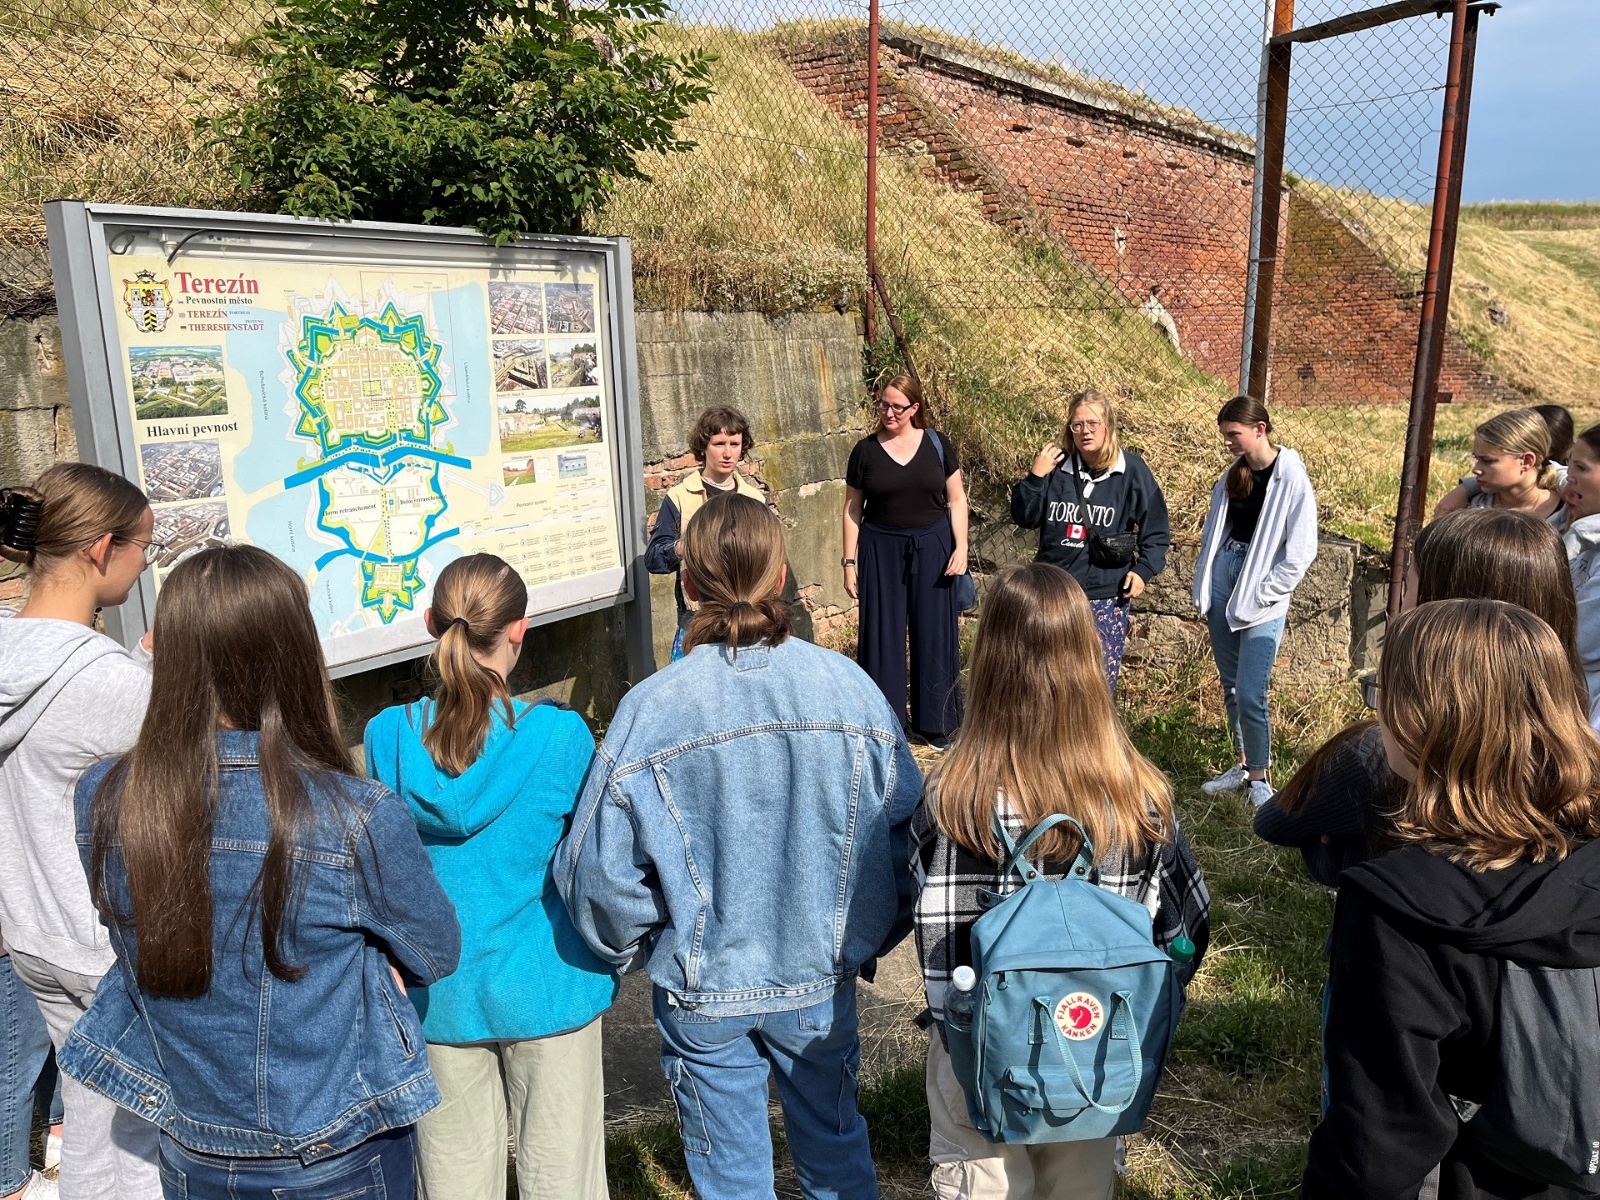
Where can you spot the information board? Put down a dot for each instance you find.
(366, 401)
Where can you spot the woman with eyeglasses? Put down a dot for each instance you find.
(1101, 517)
(69, 696)
(905, 544)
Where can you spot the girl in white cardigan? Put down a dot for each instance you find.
(1260, 539)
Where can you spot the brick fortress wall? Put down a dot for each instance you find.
(1155, 202)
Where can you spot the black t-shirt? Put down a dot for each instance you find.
(896, 497)
(1244, 514)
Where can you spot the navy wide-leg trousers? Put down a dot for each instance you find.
(904, 587)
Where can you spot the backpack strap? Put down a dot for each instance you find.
(938, 445)
(1123, 1029)
(1016, 852)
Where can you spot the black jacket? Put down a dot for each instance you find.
(1419, 947)
(1119, 502)
(1339, 821)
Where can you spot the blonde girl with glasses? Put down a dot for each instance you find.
(1101, 518)
(69, 696)
(905, 545)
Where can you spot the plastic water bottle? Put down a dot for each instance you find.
(1182, 950)
(962, 997)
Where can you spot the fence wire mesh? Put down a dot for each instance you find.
(1064, 202)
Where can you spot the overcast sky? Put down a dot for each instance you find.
(1535, 128)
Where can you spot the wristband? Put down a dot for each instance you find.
(847, 562)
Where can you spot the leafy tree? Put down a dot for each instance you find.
(512, 116)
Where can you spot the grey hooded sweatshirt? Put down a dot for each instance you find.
(68, 697)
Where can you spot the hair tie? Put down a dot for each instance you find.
(461, 621)
(20, 519)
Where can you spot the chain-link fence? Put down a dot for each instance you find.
(1064, 202)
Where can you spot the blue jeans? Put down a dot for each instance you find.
(380, 1168)
(1244, 660)
(718, 1068)
(24, 1050)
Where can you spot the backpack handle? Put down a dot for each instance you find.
(1129, 1030)
(1017, 851)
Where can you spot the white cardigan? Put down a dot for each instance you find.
(1281, 552)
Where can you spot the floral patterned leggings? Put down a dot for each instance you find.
(1111, 622)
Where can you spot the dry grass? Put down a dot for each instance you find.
(1539, 263)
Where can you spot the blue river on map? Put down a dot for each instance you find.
(274, 452)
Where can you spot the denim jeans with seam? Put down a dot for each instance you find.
(380, 1168)
(24, 1049)
(1244, 660)
(718, 1068)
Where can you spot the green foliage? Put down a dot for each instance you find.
(507, 115)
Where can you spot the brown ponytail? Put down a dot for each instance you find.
(70, 506)
(733, 555)
(474, 599)
(1242, 410)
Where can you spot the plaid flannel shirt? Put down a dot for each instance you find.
(1165, 879)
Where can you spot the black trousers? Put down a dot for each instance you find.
(904, 589)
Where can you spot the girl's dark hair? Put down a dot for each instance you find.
(1501, 554)
(237, 648)
(474, 599)
(720, 420)
(733, 554)
(69, 507)
(1242, 410)
(1590, 437)
(912, 391)
(1559, 421)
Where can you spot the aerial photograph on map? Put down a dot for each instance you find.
(188, 529)
(177, 381)
(574, 365)
(182, 470)
(544, 423)
(519, 365)
(515, 307)
(569, 307)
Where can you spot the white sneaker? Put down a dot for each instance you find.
(52, 1155)
(1231, 780)
(40, 1188)
(1261, 792)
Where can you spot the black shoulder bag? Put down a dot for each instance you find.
(1114, 550)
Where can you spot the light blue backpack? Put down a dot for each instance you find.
(1074, 1010)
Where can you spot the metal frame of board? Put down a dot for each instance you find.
(80, 260)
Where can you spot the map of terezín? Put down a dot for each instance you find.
(369, 423)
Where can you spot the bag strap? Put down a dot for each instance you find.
(1123, 1029)
(938, 445)
(1016, 852)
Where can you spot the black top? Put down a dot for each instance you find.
(1419, 951)
(908, 497)
(1243, 514)
(1118, 501)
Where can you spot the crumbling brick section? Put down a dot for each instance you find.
(1346, 324)
(1155, 203)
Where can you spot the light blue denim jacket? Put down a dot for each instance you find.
(744, 830)
(259, 1066)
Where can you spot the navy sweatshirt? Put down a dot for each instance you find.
(1124, 499)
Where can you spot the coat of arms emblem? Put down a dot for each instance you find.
(148, 301)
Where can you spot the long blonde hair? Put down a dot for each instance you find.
(1108, 414)
(1522, 431)
(733, 555)
(474, 599)
(1478, 694)
(1042, 731)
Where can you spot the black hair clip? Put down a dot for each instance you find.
(20, 519)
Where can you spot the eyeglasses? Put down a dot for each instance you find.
(1085, 426)
(152, 550)
(896, 409)
(1370, 687)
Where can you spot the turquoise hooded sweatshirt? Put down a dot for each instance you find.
(491, 833)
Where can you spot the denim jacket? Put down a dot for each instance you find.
(744, 831)
(259, 1067)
